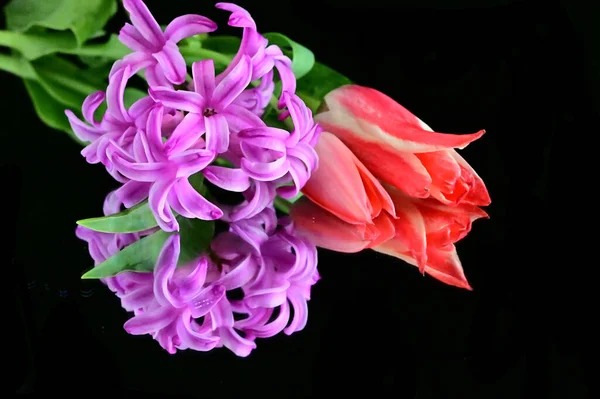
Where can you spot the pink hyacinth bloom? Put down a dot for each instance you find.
(118, 123)
(269, 160)
(154, 49)
(288, 271)
(212, 102)
(271, 153)
(166, 308)
(186, 307)
(264, 58)
(165, 172)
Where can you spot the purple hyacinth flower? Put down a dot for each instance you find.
(213, 103)
(286, 271)
(165, 172)
(118, 124)
(157, 50)
(257, 194)
(257, 98)
(168, 305)
(274, 154)
(186, 307)
(264, 58)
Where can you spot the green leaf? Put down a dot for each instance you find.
(65, 82)
(313, 87)
(132, 220)
(282, 205)
(270, 118)
(38, 44)
(194, 41)
(141, 256)
(296, 198)
(303, 59)
(223, 44)
(17, 66)
(50, 111)
(196, 236)
(82, 17)
(193, 54)
(136, 218)
(108, 51)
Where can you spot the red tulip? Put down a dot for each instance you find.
(426, 231)
(349, 209)
(400, 149)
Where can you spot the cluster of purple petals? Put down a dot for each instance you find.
(156, 144)
(179, 129)
(187, 307)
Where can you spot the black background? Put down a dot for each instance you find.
(525, 71)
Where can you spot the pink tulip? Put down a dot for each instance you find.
(400, 149)
(426, 231)
(349, 210)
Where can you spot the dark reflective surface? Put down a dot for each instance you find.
(376, 326)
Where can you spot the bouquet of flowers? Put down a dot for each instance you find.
(235, 157)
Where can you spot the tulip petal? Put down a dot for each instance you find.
(367, 115)
(410, 228)
(446, 267)
(337, 185)
(325, 230)
(446, 225)
(378, 197)
(385, 226)
(442, 167)
(400, 169)
(478, 194)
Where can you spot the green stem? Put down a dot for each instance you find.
(309, 101)
(204, 54)
(71, 83)
(282, 205)
(17, 66)
(223, 162)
